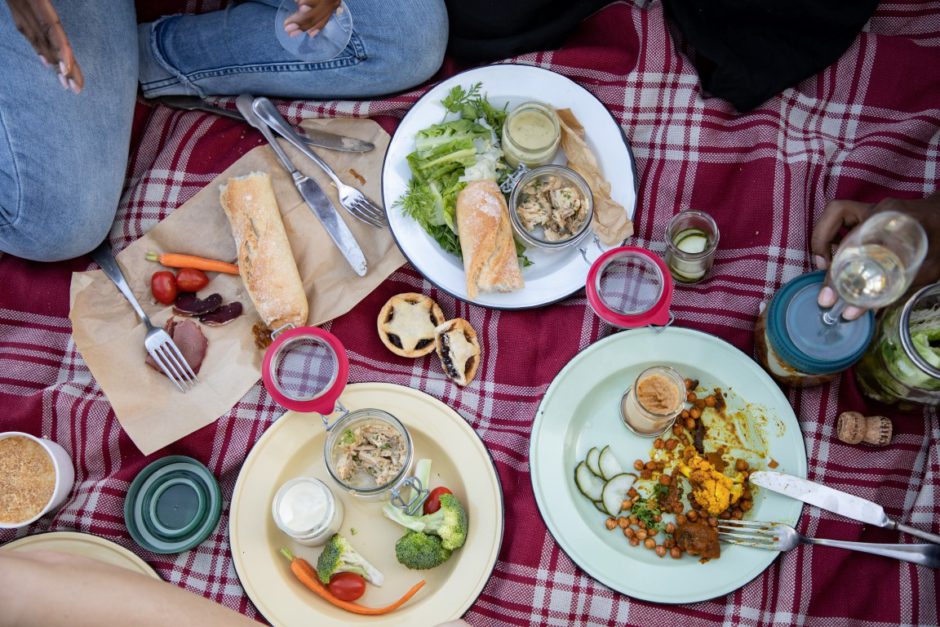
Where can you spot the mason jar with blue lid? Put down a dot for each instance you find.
(794, 345)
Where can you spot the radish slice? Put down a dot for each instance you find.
(609, 466)
(589, 484)
(615, 492)
(592, 461)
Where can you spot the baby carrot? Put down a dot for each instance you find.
(308, 576)
(176, 260)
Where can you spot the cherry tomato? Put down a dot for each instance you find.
(433, 503)
(164, 288)
(191, 280)
(347, 586)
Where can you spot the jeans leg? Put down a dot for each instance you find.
(63, 156)
(395, 45)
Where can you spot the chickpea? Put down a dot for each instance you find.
(633, 520)
(638, 464)
(623, 522)
(684, 414)
(689, 384)
(691, 397)
(610, 523)
(695, 413)
(658, 517)
(626, 504)
(675, 553)
(670, 528)
(642, 524)
(740, 465)
(692, 516)
(676, 429)
(737, 515)
(681, 518)
(746, 506)
(689, 424)
(634, 541)
(665, 479)
(649, 543)
(646, 474)
(650, 465)
(661, 551)
(710, 401)
(658, 443)
(641, 535)
(669, 543)
(628, 532)
(712, 521)
(678, 509)
(632, 493)
(661, 465)
(671, 444)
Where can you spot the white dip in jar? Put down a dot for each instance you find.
(305, 509)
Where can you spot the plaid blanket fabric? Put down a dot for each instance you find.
(866, 128)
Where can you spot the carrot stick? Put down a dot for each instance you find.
(308, 576)
(176, 260)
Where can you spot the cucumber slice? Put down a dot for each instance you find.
(589, 484)
(609, 465)
(692, 241)
(592, 457)
(615, 492)
(600, 507)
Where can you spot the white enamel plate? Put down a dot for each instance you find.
(553, 275)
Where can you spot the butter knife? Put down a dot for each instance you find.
(318, 202)
(836, 501)
(314, 137)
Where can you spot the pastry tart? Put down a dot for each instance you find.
(459, 350)
(406, 324)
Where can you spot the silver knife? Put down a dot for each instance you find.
(314, 137)
(312, 194)
(836, 501)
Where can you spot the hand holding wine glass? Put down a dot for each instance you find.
(875, 263)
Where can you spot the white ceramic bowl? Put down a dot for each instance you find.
(64, 476)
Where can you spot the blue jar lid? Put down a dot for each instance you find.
(172, 505)
(800, 339)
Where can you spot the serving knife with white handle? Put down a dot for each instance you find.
(835, 501)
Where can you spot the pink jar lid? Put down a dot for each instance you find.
(306, 370)
(630, 287)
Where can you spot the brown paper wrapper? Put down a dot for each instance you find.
(610, 223)
(111, 338)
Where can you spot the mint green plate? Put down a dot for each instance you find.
(581, 410)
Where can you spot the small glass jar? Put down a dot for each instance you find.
(536, 237)
(367, 488)
(691, 242)
(306, 510)
(654, 400)
(895, 370)
(531, 134)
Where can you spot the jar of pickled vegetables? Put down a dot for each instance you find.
(903, 363)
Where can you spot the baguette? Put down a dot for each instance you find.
(489, 252)
(265, 260)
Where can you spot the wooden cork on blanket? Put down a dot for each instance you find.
(854, 428)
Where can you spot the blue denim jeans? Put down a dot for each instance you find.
(63, 156)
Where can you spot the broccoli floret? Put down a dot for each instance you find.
(339, 556)
(419, 551)
(449, 522)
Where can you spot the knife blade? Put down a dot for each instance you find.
(312, 194)
(314, 137)
(836, 501)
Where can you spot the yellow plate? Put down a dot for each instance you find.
(293, 447)
(83, 545)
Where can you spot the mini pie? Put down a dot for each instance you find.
(459, 350)
(406, 324)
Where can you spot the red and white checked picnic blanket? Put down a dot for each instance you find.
(866, 128)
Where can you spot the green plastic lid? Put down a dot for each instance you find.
(172, 505)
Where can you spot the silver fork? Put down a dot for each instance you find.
(354, 201)
(781, 537)
(158, 342)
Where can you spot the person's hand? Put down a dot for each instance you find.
(849, 214)
(39, 23)
(311, 16)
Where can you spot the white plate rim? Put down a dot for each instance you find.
(470, 74)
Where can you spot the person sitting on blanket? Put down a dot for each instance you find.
(849, 214)
(63, 155)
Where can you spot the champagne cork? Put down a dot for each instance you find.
(854, 428)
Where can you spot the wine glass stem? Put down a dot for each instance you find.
(832, 316)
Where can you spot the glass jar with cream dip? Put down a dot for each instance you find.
(531, 134)
(654, 400)
(305, 509)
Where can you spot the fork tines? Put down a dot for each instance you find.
(366, 211)
(755, 533)
(174, 365)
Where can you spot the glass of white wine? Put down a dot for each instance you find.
(876, 263)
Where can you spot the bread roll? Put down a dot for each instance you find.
(489, 252)
(265, 260)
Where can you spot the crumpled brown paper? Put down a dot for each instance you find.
(111, 338)
(610, 223)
